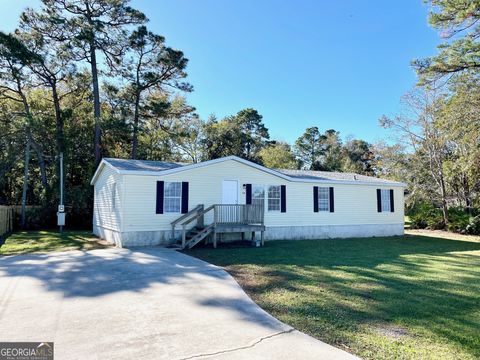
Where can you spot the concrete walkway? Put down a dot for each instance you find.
(143, 304)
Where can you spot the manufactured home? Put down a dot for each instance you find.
(139, 203)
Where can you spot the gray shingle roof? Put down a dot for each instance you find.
(141, 165)
(330, 175)
(302, 175)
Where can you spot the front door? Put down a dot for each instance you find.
(230, 192)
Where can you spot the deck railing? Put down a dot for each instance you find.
(223, 214)
(241, 214)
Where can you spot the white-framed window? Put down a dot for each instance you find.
(385, 199)
(258, 195)
(274, 196)
(172, 197)
(324, 199)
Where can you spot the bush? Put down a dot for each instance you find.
(473, 226)
(458, 219)
(425, 216)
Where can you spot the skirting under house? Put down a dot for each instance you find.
(164, 238)
(146, 203)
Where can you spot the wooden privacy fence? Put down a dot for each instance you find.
(7, 214)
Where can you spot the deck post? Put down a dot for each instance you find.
(184, 236)
(200, 220)
(214, 239)
(262, 238)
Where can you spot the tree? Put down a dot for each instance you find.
(150, 66)
(253, 132)
(318, 151)
(358, 157)
(221, 138)
(331, 159)
(278, 156)
(243, 135)
(188, 141)
(418, 128)
(458, 21)
(14, 58)
(459, 122)
(83, 28)
(309, 147)
(52, 68)
(172, 124)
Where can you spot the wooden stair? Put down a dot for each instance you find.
(197, 234)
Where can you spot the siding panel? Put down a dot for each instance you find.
(354, 204)
(107, 212)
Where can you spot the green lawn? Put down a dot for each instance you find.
(45, 241)
(411, 297)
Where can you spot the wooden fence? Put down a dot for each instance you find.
(7, 214)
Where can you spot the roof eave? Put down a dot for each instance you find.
(100, 167)
(245, 162)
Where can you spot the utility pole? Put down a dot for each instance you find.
(61, 206)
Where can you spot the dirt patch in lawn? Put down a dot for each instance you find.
(442, 234)
(390, 331)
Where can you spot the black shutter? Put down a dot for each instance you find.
(392, 209)
(332, 205)
(379, 200)
(160, 187)
(283, 198)
(184, 197)
(248, 193)
(315, 199)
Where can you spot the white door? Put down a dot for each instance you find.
(230, 192)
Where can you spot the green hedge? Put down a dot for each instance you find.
(427, 216)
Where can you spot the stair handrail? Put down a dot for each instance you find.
(184, 224)
(200, 213)
(188, 214)
(184, 216)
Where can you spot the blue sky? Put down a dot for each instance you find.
(331, 64)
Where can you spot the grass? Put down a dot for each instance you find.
(46, 241)
(410, 297)
(408, 222)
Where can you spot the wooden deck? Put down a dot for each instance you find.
(227, 218)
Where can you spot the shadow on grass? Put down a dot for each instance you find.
(336, 288)
(25, 242)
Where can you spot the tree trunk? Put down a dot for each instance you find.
(135, 126)
(444, 198)
(41, 163)
(97, 142)
(25, 183)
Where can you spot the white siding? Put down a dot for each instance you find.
(354, 204)
(107, 212)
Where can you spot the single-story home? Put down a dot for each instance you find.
(161, 203)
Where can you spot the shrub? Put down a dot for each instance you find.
(473, 226)
(458, 219)
(425, 215)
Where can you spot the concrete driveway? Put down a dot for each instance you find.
(143, 304)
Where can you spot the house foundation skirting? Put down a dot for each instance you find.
(332, 231)
(164, 237)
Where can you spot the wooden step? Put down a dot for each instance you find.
(198, 237)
